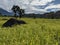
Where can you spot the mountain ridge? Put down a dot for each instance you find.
(5, 12)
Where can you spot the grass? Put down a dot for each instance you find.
(35, 32)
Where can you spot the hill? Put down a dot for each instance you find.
(4, 12)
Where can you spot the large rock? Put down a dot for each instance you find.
(12, 22)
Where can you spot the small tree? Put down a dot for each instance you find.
(52, 15)
(16, 9)
(33, 15)
(0, 14)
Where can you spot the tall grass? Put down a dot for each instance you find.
(35, 32)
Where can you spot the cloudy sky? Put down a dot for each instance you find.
(32, 6)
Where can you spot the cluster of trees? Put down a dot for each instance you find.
(52, 15)
(16, 9)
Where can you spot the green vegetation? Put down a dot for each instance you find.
(35, 32)
(16, 9)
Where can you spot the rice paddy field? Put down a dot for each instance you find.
(37, 31)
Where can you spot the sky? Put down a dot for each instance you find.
(32, 6)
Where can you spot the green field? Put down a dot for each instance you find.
(35, 32)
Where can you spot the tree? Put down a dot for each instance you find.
(16, 9)
(21, 12)
(52, 15)
(0, 14)
(33, 15)
(57, 14)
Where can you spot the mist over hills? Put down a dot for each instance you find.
(4, 12)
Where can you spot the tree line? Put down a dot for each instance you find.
(52, 15)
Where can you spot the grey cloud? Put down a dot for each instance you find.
(27, 5)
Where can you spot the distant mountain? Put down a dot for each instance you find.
(4, 12)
